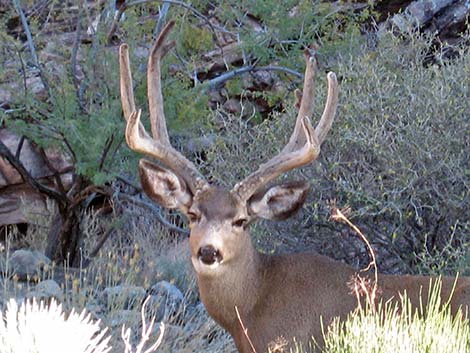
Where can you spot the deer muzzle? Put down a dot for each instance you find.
(209, 255)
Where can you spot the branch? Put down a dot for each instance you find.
(245, 330)
(279, 68)
(101, 242)
(107, 146)
(55, 172)
(251, 68)
(32, 48)
(28, 178)
(162, 13)
(74, 62)
(156, 211)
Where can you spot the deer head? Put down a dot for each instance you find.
(218, 217)
(277, 296)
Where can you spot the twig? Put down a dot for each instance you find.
(74, 62)
(337, 215)
(279, 68)
(32, 48)
(55, 172)
(156, 210)
(69, 147)
(161, 18)
(130, 183)
(107, 146)
(245, 330)
(146, 331)
(28, 178)
(20, 147)
(102, 240)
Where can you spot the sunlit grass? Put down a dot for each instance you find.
(398, 327)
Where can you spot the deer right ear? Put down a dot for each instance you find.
(278, 202)
(164, 187)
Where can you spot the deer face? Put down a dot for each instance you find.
(219, 218)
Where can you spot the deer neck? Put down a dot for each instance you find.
(236, 287)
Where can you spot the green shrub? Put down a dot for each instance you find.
(397, 155)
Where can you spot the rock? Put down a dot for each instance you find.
(27, 264)
(95, 310)
(117, 318)
(165, 301)
(263, 79)
(124, 297)
(243, 108)
(47, 290)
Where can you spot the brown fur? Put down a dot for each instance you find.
(283, 297)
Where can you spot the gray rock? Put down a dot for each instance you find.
(123, 297)
(26, 264)
(166, 301)
(46, 290)
(117, 318)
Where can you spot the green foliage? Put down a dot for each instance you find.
(396, 155)
(194, 39)
(75, 111)
(401, 328)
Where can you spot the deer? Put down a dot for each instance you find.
(259, 299)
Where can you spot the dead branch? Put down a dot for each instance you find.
(251, 68)
(361, 284)
(245, 330)
(74, 62)
(31, 45)
(156, 210)
(28, 178)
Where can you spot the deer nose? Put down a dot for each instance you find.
(209, 255)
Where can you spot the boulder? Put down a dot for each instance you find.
(46, 290)
(26, 264)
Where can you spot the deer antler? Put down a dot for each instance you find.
(304, 144)
(137, 138)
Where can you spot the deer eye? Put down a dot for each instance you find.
(193, 217)
(240, 223)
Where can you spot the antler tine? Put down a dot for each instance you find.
(154, 86)
(136, 136)
(306, 102)
(304, 144)
(127, 91)
(329, 112)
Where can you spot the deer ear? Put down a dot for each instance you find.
(164, 187)
(278, 202)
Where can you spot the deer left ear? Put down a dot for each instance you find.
(279, 201)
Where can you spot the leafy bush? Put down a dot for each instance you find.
(397, 155)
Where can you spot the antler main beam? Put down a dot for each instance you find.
(304, 144)
(137, 138)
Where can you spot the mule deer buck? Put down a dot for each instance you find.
(274, 298)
